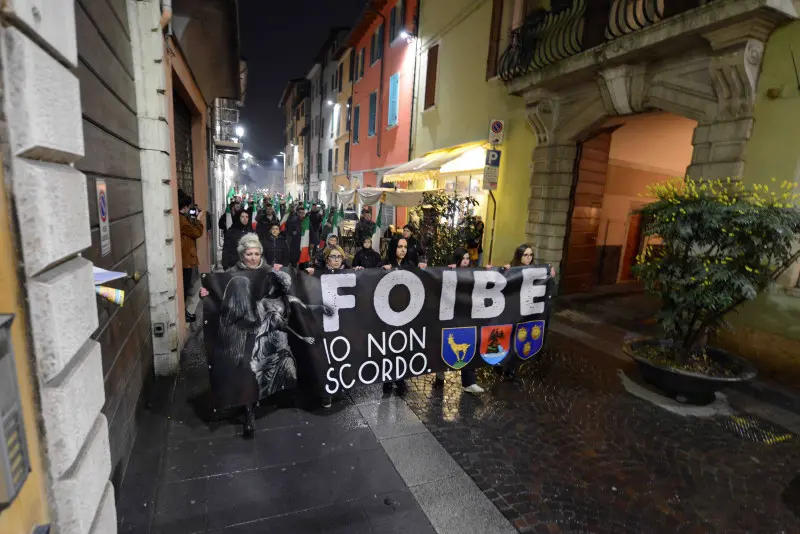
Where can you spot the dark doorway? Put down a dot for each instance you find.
(184, 169)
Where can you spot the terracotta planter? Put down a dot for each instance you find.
(695, 388)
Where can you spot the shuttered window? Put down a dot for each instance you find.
(430, 76)
(394, 99)
(356, 123)
(373, 108)
(495, 33)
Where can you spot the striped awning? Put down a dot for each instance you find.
(428, 166)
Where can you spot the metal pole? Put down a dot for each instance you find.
(494, 218)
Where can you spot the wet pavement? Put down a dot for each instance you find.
(567, 450)
(306, 470)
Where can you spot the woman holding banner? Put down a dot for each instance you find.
(461, 260)
(397, 257)
(523, 257)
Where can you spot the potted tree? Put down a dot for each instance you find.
(722, 244)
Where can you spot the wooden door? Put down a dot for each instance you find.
(633, 245)
(580, 265)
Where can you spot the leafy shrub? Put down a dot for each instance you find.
(446, 223)
(723, 243)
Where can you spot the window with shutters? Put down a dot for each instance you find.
(394, 99)
(330, 159)
(349, 113)
(372, 40)
(397, 21)
(347, 156)
(356, 117)
(341, 76)
(361, 62)
(352, 66)
(336, 160)
(376, 45)
(495, 34)
(373, 108)
(430, 76)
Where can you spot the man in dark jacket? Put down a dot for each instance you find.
(365, 227)
(416, 252)
(266, 218)
(276, 250)
(314, 229)
(294, 231)
(240, 227)
(233, 210)
(191, 230)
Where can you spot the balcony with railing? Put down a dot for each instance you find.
(574, 26)
(226, 121)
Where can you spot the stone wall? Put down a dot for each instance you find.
(42, 105)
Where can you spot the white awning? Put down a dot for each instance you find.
(430, 165)
(369, 196)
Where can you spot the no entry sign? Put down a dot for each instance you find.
(497, 130)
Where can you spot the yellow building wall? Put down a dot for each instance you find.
(29, 509)
(466, 103)
(768, 329)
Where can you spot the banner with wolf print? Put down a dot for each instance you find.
(355, 328)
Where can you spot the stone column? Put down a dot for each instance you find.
(548, 208)
(719, 142)
(152, 103)
(42, 139)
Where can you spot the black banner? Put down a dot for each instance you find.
(364, 327)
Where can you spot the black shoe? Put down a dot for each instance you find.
(190, 317)
(402, 387)
(387, 387)
(249, 422)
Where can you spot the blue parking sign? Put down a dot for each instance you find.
(492, 158)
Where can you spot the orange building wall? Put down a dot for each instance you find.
(394, 142)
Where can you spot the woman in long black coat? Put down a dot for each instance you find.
(240, 227)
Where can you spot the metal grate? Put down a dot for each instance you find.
(755, 430)
(183, 146)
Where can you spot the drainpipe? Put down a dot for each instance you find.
(414, 98)
(166, 16)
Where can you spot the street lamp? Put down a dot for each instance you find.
(239, 132)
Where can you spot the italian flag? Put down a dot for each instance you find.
(305, 257)
(376, 235)
(283, 221)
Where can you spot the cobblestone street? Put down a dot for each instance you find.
(566, 450)
(574, 452)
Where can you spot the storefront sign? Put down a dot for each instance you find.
(355, 328)
(497, 131)
(491, 172)
(102, 216)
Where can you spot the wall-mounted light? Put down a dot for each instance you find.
(239, 131)
(407, 36)
(329, 102)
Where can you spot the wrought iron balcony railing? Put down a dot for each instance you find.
(572, 26)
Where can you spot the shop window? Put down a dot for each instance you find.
(394, 99)
(373, 107)
(430, 76)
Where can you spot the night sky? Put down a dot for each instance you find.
(279, 40)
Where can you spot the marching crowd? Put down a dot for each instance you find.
(271, 246)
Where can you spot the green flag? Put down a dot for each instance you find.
(337, 218)
(376, 234)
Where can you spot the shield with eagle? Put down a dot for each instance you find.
(529, 338)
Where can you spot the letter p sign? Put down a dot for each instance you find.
(492, 158)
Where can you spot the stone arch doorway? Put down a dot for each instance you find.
(613, 170)
(713, 84)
